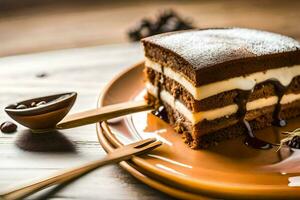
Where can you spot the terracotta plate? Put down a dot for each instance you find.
(229, 170)
(134, 170)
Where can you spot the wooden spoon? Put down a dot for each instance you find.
(101, 114)
(46, 116)
(120, 154)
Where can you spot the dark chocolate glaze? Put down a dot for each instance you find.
(161, 111)
(242, 99)
(279, 91)
(252, 141)
(161, 83)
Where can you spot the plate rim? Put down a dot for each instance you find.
(194, 185)
(150, 181)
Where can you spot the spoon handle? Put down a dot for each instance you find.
(103, 113)
(118, 155)
(26, 190)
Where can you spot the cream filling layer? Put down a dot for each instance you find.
(284, 75)
(213, 114)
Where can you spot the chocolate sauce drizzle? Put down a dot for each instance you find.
(161, 112)
(280, 91)
(161, 82)
(242, 99)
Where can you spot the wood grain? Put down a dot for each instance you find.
(85, 71)
(123, 153)
(64, 24)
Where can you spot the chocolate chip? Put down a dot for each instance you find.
(21, 106)
(40, 103)
(8, 127)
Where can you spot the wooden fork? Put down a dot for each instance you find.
(120, 154)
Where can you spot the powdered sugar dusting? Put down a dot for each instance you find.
(203, 48)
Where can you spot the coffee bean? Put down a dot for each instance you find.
(12, 106)
(8, 127)
(33, 104)
(21, 106)
(40, 103)
(41, 75)
(166, 21)
(295, 142)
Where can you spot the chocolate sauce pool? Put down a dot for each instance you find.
(252, 141)
(242, 99)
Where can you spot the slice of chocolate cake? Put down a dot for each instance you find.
(217, 84)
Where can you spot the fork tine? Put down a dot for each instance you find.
(136, 145)
(150, 146)
(142, 143)
(145, 149)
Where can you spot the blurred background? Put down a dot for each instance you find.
(33, 25)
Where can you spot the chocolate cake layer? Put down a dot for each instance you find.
(206, 56)
(207, 133)
(262, 90)
(220, 83)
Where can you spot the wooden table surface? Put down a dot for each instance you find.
(57, 24)
(86, 71)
